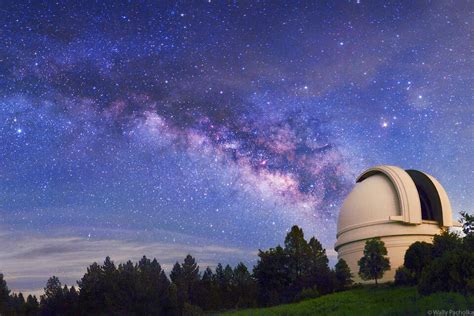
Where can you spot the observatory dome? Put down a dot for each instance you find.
(399, 206)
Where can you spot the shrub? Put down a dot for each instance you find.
(453, 271)
(403, 276)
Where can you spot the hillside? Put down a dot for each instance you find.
(370, 301)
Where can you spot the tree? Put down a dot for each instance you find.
(52, 302)
(4, 295)
(467, 222)
(31, 305)
(373, 264)
(452, 272)
(71, 300)
(317, 268)
(417, 257)
(17, 304)
(343, 275)
(272, 276)
(92, 291)
(177, 277)
(244, 287)
(404, 276)
(208, 291)
(191, 277)
(446, 241)
(297, 249)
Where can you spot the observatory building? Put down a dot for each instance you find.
(399, 206)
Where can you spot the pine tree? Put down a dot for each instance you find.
(191, 277)
(244, 287)
(53, 299)
(373, 264)
(91, 297)
(177, 276)
(343, 274)
(318, 274)
(272, 276)
(4, 295)
(297, 249)
(208, 291)
(32, 305)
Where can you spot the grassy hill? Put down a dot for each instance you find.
(370, 301)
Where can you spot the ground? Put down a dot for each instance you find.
(384, 300)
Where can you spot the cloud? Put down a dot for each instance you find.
(28, 261)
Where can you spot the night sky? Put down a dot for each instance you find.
(212, 128)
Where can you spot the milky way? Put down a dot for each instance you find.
(163, 129)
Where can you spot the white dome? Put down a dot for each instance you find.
(373, 199)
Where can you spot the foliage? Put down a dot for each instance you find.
(467, 222)
(381, 300)
(373, 264)
(418, 256)
(404, 276)
(343, 275)
(446, 241)
(282, 273)
(446, 265)
(4, 295)
(141, 288)
(453, 271)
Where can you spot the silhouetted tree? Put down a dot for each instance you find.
(92, 291)
(452, 272)
(16, 304)
(71, 300)
(191, 277)
(446, 241)
(404, 276)
(272, 275)
(373, 264)
(177, 277)
(417, 257)
(31, 305)
(4, 295)
(244, 288)
(52, 302)
(343, 275)
(297, 249)
(208, 291)
(318, 272)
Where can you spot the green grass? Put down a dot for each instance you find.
(370, 301)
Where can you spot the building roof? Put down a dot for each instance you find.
(386, 193)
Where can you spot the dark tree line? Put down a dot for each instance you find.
(294, 272)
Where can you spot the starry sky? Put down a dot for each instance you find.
(212, 127)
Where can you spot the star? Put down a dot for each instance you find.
(156, 126)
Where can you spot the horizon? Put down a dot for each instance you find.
(211, 129)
